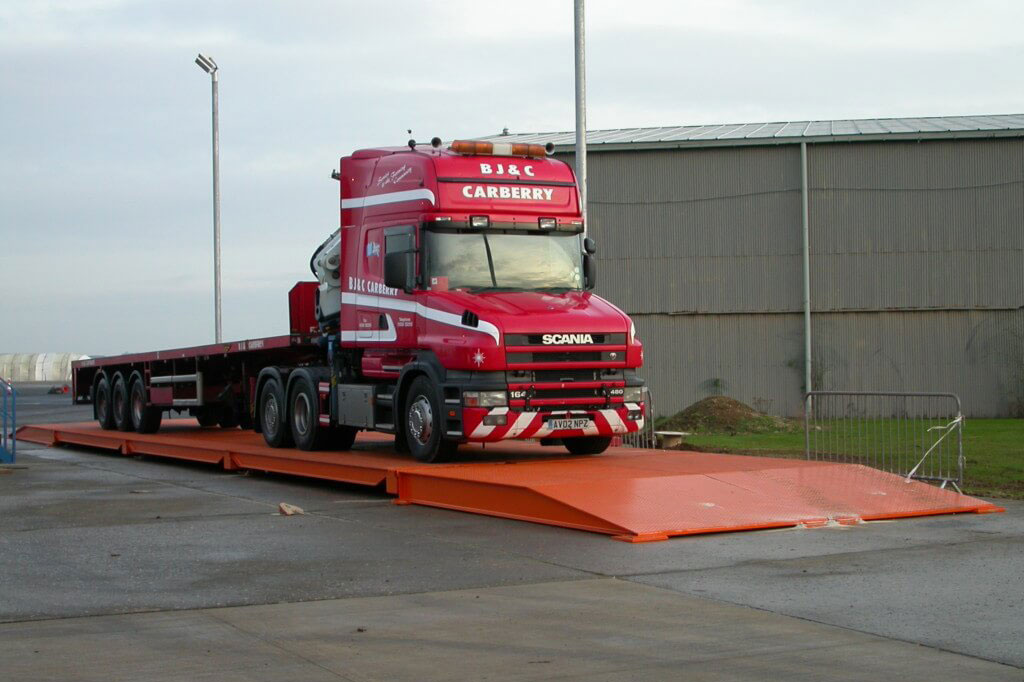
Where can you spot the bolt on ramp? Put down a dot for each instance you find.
(630, 494)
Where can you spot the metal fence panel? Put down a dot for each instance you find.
(644, 438)
(8, 422)
(915, 435)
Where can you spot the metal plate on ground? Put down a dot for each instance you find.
(634, 495)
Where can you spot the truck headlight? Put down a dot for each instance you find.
(633, 394)
(484, 398)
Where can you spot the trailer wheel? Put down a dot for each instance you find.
(119, 403)
(274, 415)
(104, 412)
(423, 426)
(587, 445)
(145, 418)
(305, 416)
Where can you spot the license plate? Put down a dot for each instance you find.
(573, 424)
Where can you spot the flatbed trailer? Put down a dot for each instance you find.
(215, 383)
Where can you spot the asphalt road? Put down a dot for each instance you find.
(134, 568)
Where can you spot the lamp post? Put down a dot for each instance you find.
(579, 26)
(210, 67)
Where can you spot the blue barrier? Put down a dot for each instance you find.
(8, 422)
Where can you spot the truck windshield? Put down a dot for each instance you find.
(482, 261)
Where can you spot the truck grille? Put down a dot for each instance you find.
(530, 350)
(599, 339)
(533, 367)
(565, 356)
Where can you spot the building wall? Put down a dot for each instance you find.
(55, 367)
(917, 268)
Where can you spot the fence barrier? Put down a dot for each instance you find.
(8, 422)
(915, 435)
(644, 438)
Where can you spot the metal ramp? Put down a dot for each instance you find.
(632, 495)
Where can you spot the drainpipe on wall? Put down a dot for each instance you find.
(807, 267)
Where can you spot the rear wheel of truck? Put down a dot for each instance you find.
(423, 424)
(587, 445)
(274, 415)
(104, 411)
(307, 432)
(145, 418)
(119, 403)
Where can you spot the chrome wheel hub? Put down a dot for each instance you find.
(270, 414)
(421, 420)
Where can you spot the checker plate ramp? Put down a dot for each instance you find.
(633, 495)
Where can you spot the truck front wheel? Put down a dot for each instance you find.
(423, 425)
(587, 445)
(274, 415)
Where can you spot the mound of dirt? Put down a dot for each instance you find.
(720, 414)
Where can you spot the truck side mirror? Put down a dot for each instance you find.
(589, 246)
(589, 271)
(399, 269)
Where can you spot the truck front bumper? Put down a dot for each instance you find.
(525, 424)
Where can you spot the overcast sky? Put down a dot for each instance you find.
(105, 197)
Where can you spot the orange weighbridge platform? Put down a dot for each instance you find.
(632, 495)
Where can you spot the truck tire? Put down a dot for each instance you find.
(145, 418)
(119, 403)
(587, 445)
(274, 415)
(304, 416)
(104, 411)
(422, 424)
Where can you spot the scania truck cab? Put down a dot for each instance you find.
(460, 280)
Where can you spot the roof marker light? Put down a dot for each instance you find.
(501, 148)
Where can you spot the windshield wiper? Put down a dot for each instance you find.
(490, 260)
(477, 290)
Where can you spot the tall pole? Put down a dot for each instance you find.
(807, 266)
(216, 208)
(210, 67)
(581, 108)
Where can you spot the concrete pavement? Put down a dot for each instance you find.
(117, 567)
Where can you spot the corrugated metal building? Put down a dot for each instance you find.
(916, 255)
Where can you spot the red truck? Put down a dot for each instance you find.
(452, 305)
